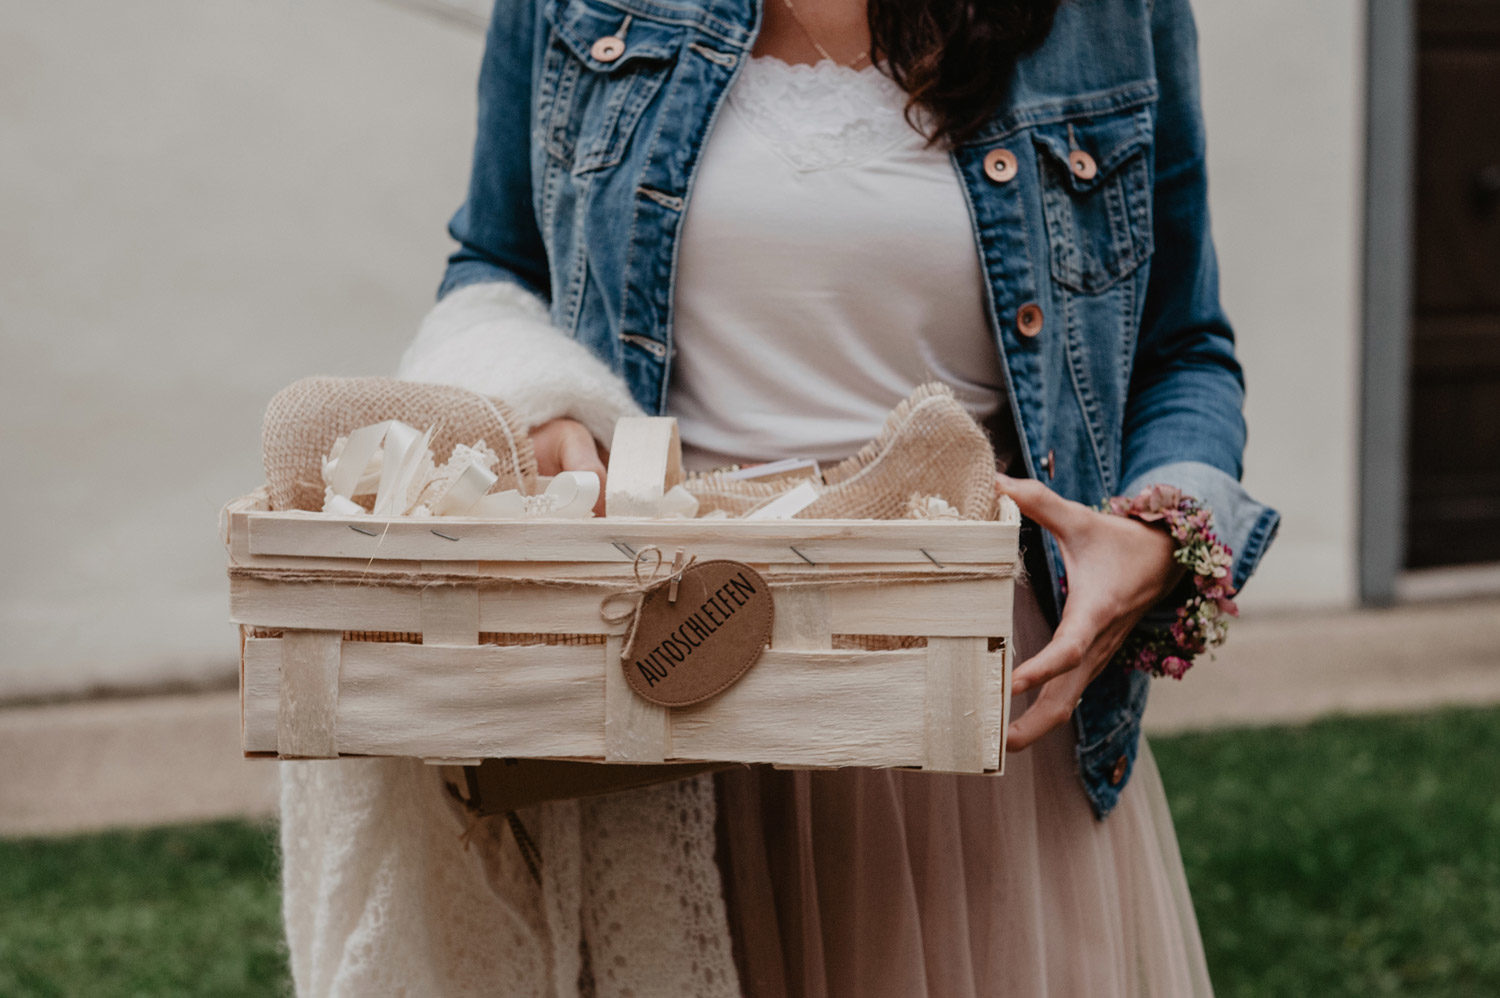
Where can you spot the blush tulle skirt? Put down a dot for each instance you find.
(839, 884)
(894, 884)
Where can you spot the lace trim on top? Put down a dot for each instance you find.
(822, 115)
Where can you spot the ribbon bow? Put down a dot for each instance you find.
(644, 585)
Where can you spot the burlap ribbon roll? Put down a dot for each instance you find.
(929, 447)
(304, 420)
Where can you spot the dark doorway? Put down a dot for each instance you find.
(1453, 464)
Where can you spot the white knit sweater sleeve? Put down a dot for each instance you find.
(496, 339)
(384, 891)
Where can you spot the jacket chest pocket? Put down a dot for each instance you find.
(602, 68)
(1096, 196)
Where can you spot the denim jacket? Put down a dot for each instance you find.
(1087, 195)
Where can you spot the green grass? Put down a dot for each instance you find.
(1349, 857)
(1355, 856)
(167, 911)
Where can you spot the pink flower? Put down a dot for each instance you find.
(1201, 621)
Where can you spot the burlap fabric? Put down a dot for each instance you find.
(304, 420)
(929, 447)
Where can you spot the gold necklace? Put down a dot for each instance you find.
(862, 57)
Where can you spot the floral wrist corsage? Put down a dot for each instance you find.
(1203, 619)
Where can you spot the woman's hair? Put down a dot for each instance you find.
(954, 57)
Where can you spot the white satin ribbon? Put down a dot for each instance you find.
(394, 462)
(405, 453)
(571, 495)
(786, 505)
(354, 469)
(387, 458)
(466, 490)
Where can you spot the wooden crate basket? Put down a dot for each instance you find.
(493, 655)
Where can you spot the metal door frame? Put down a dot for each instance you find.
(1386, 300)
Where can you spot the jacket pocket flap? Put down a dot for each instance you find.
(1109, 141)
(579, 24)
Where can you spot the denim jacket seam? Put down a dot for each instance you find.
(1256, 543)
(622, 113)
(1132, 291)
(1127, 352)
(1028, 441)
(630, 233)
(572, 303)
(1120, 227)
(551, 179)
(1081, 391)
(1130, 718)
(1124, 97)
(562, 96)
(1055, 201)
(708, 24)
(614, 110)
(992, 304)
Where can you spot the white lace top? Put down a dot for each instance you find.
(828, 267)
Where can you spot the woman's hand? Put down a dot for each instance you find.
(567, 445)
(1116, 569)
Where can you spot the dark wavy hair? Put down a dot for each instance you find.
(954, 58)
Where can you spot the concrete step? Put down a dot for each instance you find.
(1289, 668)
(85, 766)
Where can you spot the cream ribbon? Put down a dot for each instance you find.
(570, 494)
(394, 461)
(388, 456)
(465, 490)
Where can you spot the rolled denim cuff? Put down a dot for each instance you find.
(1246, 526)
(467, 272)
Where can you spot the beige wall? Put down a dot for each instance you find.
(202, 200)
(1283, 93)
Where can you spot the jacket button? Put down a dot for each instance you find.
(608, 49)
(1049, 464)
(1117, 775)
(1082, 165)
(1029, 319)
(1000, 165)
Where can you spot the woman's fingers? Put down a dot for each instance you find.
(567, 445)
(1039, 503)
(580, 453)
(1060, 693)
(1068, 650)
(1051, 708)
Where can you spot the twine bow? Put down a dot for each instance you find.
(636, 594)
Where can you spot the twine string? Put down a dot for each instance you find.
(635, 596)
(787, 576)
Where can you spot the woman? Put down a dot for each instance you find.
(773, 220)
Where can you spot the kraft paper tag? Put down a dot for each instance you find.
(685, 652)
